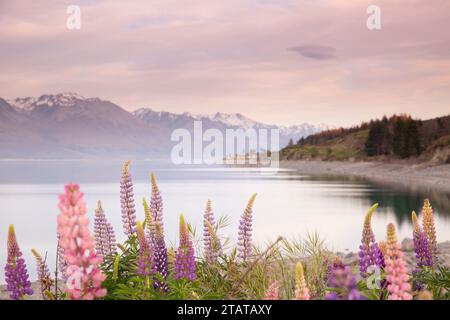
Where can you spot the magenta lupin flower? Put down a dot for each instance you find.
(184, 264)
(421, 245)
(84, 274)
(212, 245)
(145, 260)
(245, 231)
(16, 274)
(369, 253)
(156, 205)
(43, 274)
(127, 201)
(105, 239)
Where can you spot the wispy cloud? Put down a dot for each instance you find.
(315, 51)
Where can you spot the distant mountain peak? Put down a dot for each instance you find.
(65, 99)
(68, 124)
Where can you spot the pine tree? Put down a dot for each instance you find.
(373, 139)
(291, 143)
(399, 138)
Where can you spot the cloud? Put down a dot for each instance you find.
(315, 52)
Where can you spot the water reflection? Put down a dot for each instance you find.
(390, 197)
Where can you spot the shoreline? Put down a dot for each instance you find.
(415, 177)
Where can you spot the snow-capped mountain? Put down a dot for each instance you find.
(28, 104)
(223, 121)
(70, 125)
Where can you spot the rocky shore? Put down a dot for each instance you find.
(352, 258)
(414, 176)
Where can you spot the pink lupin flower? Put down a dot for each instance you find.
(271, 292)
(396, 272)
(84, 275)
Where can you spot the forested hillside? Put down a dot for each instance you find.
(396, 137)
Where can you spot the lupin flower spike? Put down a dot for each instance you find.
(429, 227)
(127, 201)
(16, 274)
(84, 274)
(396, 272)
(271, 292)
(213, 250)
(160, 259)
(43, 274)
(105, 239)
(369, 253)
(115, 274)
(212, 245)
(62, 263)
(343, 282)
(150, 225)
(421, 245)
(184, 264)
(301, 289)
(245, 231)
(383, 247)
(156, 204)
(145, 260)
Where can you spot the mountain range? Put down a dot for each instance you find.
(67, 125)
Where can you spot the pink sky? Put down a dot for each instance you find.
(277, 61)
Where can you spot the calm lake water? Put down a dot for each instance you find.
(287, 204)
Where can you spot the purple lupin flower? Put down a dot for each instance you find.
(105, 239)
(212, 245)
(370, 253)
(43, 273)
(62, 263)
(149, 224)
(245, 231)
(16, 274)
(421, 246)
(145, 260)
(127, 201)
(156, 205)
(184, 264)
(343, 283)
(160, 260)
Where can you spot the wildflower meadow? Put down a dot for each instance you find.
(92, 265)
